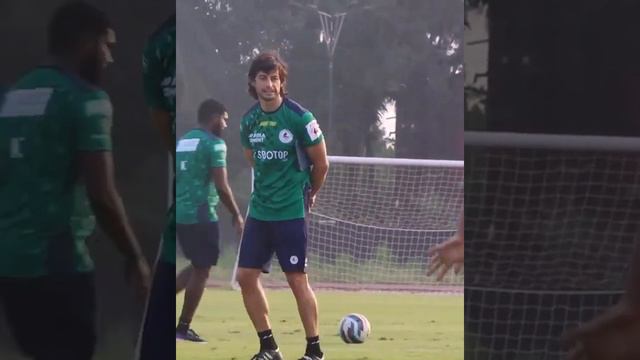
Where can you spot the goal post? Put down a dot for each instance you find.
(374, 220)
(551, 222)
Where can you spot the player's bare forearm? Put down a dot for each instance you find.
(318, 156)
(318, 175)
(112, 218)
(97, 172)
(162, 122)
(221, 182)
(226, 196)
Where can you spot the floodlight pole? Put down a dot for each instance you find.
(330, 125)
(331, 28)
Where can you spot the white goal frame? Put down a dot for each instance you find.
(372, 161)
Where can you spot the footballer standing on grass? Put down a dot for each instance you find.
(284, 144)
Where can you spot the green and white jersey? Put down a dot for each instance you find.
(197, 152)
(278, 140)
(159, 74)
(46, 119)
(159, 69)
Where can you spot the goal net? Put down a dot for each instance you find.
(550, 227)
(375, 219)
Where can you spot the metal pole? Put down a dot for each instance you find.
(330, 127)
(331, 26)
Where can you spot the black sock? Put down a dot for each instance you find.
(267, 341)
(313, 347)
(183, 325)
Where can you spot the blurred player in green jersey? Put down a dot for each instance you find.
(159, 73)
(56, 172)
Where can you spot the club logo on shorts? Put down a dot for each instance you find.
(285, 136)
(293, 260)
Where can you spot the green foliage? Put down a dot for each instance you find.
(383, 52)
(475, 101)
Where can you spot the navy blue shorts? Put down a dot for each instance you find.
(199, 241)
(286, 238)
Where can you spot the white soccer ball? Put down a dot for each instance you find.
(354, 329)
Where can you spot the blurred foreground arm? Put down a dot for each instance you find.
(98, 175)
(615, 334)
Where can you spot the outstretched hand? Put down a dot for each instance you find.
(447, 255)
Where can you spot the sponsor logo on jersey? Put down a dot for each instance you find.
(168, 85)
(271, 154)
(255, 138)
(168, 81)
(313, 129)
(285, 136)
(267, 123)
(169, 93)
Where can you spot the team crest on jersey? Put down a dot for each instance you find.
(285, 136)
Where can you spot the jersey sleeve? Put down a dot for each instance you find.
(152, 77)
(93, 119)
(218, 154)
(244, 135)
(308, 130)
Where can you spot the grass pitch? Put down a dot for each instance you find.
(404, 326)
